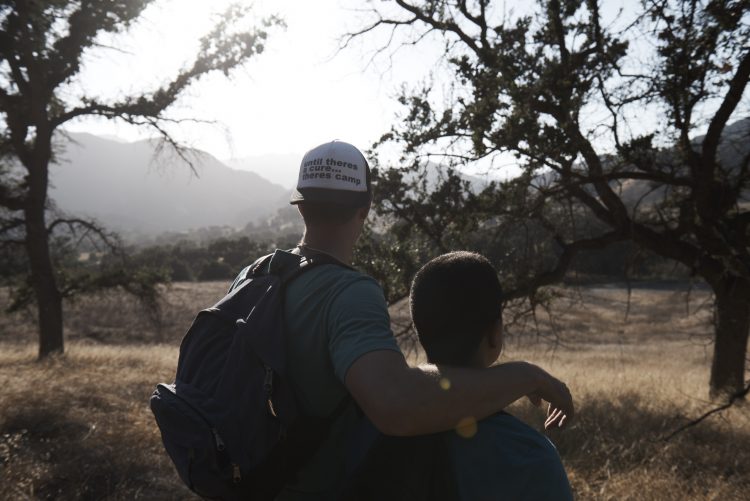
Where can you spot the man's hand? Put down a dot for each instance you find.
(555, 418)
(560, 410)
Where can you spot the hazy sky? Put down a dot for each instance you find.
(298, 93)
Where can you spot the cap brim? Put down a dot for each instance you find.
(324, 195)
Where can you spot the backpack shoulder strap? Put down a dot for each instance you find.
(286, 265)
(289, 266)
(294, 266)
(258, 267)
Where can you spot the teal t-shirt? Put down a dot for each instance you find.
(334, 315)
(507, 459)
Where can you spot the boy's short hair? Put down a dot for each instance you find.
(455, 300)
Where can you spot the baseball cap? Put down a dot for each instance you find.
(335, 172)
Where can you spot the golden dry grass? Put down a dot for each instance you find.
(634, 382)
(114, 318)
(79, 427)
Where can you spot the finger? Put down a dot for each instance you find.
(552, 418)
(556, 415)
(549, 424)
(550, 414)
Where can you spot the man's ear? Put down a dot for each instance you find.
(363, 212)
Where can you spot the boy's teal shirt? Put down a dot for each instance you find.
(333, 315)
(507, 459)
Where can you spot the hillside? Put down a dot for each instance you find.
(129, 188)
(733, 151)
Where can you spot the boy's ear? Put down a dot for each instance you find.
(495, 334)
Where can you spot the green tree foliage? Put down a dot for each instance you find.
(602, 118)
(42, 46)
(85, 266)
(221, 259)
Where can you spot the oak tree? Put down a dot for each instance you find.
(42, 48)
(603, 116)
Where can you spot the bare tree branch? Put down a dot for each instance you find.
(734, 398)
(728, 105)
(89, 228)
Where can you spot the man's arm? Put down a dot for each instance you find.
(401, 400)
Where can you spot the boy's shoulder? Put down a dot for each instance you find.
(507, 455)
(507, 432)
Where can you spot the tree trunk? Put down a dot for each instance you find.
(48, 297)
(732, 313)
(42, 272)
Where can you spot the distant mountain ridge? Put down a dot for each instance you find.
(732, 152)
(282, 169)
(131, 189)
(638, 194)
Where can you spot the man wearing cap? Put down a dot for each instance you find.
(339, 340)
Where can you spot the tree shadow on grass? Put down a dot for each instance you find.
(86, 448)
(47, 453)
(625, 434)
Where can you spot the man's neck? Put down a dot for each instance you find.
(341, 249)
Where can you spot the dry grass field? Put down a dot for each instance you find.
(79, 427)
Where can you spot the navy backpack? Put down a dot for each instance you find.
(229, 421)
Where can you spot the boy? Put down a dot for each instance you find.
(456, 302)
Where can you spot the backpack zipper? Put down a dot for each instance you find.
(268, 381)
(219, 442)
(220, 446)
(268, 389)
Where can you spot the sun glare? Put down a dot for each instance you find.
(300, 91)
